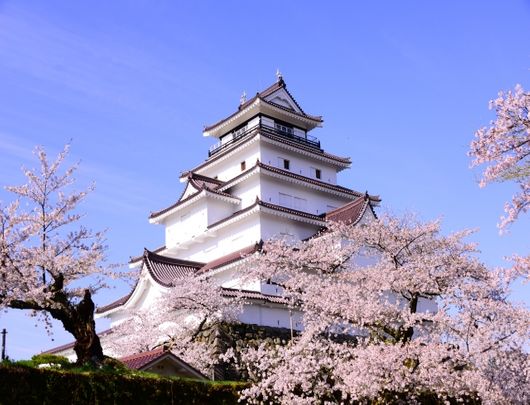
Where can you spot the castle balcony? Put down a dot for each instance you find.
(279, 130)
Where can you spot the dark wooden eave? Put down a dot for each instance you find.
(164, 270)
(299, 177)
(352, 212)
(254, 295)
(341, 161)
(230, 258)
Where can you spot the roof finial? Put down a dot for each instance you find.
(279, 75)
(243, 98)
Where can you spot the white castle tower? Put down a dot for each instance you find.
(265, 177)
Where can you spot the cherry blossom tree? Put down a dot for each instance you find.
(392, 310)
(183, 319)
(49, 264)
(504, 147)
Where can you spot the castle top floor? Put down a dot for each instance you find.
(277, 104)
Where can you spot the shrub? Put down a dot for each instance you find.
(26, 385)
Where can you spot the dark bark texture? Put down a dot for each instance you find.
(77, 319)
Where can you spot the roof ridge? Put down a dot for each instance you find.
(170, 260)
(303, 114)
(235, 214)
(193, 175)
(268, 134)
(361, 204)
(271, 134)
(260, 95)
(287, 209)
(230, 257)
(264, 93)
(204, 188)
(146, 353)
(346, 206)
(268, 205)
(309, 179)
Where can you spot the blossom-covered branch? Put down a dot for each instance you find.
(179, 320)
(504, 147)
(410, 312)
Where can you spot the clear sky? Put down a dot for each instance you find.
(402, 87)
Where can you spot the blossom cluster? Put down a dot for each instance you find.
(504, 147)
(391, 308)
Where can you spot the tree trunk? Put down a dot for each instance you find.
(76, 319)
(87, 345)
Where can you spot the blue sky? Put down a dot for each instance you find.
(402, 87)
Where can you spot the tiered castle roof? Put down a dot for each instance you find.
(276, 102)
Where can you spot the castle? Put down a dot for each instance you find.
(266, 176)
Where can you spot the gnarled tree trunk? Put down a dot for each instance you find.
(87, 346)
(77, 319)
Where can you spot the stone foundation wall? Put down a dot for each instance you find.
(238, 336)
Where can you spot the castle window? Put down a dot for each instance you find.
(284, 163)
(243, 165)
(284, 129)
(316, 173)
(239, 132)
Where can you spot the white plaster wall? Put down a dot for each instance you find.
(234, 277)
(299, 164)
(317, 202)
(189, 190)
(227, 240)
(368, 216)
(299, 132)
(274, 316)
(219, 209)
(230, 167)
(247, 190)
(268, 122)
(145, 295)
(186, 223)
(274, 226)
(282, 98)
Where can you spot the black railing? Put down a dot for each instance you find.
(307, 140)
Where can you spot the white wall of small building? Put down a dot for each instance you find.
(188, 191)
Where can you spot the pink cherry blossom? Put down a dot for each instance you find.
(49, 264)
(504, 147)
(389, 307)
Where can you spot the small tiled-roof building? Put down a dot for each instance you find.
(162, 362)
